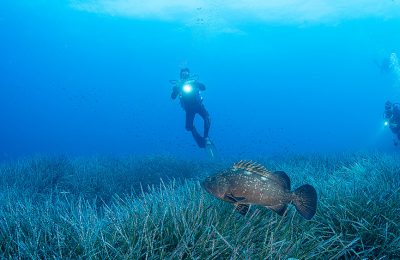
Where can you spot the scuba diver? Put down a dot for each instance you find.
(188, 89)
(392, 117)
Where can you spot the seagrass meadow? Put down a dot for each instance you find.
(154, 208)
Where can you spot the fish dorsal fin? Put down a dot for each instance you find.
(253, 167)
(282, 179)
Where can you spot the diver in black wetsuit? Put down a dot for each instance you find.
(392, 117)
(188, 90)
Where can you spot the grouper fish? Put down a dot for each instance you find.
(248, 183)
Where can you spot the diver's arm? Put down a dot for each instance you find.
(175, 92)
(200, 86)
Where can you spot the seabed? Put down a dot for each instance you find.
(153, 207)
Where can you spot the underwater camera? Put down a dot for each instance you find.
(186, 84)
(187, 88)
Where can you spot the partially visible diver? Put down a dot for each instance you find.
(188, 89)
(392, 119)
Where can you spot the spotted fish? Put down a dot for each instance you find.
(248, 183)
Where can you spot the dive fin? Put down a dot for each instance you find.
(210, 147)
(280, 209)
(242, 208)
(305, 201)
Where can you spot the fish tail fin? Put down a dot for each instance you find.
(305, 201)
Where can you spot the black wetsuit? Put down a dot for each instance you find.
(192, 103)
(393, 117)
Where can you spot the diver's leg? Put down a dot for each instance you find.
(189, 120)
(198, 138)
(398, 138)
(190, 127)
(207, 122)
(206, 118)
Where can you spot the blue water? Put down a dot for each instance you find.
(77, 81)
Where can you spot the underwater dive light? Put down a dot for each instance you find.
(187, 88)
(386, 123)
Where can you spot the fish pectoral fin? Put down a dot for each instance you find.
(280, 209)
(242, 208)
(233, 198)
